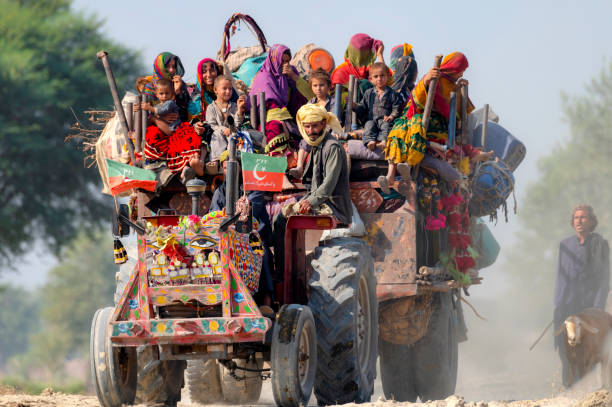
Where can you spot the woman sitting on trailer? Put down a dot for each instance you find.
(206, 73)
(361, 52)
(169, 66)
(407, 141)
(285, 92)
(404, 67)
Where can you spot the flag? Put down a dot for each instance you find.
(262, 173)
(122, 177)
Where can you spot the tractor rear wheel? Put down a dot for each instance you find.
(436, 354)
(159, 381)
(204, 381)
(396, 371)
(245, 389)
(344, 304)
(113, 369)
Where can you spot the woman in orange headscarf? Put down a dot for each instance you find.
(407, 141)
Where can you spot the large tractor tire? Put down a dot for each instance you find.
(293, 356)
(428, 368)
(247, 389)
(344, 304)
(113, 369)
(396, 372)
(204, 381)
(159, 382)
(436, 354)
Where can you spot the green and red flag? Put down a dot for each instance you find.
(123, 177)
(262, 173)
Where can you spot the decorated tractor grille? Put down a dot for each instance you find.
(189, 252)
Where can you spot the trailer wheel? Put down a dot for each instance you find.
(436, 354)
(396, 371)
(113, 369)
(203, 381)
(294, 356)
(247, 388)
(159, 381)
(344, 304)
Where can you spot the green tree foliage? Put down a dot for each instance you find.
(578, 170)
(47, 65)
(82, 282)
(18, 320)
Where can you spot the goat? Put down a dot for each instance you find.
(586, 337)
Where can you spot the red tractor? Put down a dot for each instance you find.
(200, 309)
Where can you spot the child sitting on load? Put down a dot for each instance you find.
(164, 91)
(175, 143)
(320, 83)
(381, 104)
(218, 112)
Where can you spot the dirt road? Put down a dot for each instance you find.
(48, 398)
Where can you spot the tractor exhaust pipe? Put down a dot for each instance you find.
(103, 56)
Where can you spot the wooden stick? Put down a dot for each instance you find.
(355, 97)
(338, 100)
(430, 94)
(262, 113)
(452, 120)
(541, 335)
(103, 56)
(138, 125)
(349, 105)
(144, 117)
(465, 137)
(253, 102)
(485, 121)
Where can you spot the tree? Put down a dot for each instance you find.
(47, 65)
(83, 282)
(18, 319)
(576, 171)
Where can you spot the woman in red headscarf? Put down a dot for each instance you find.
(407, 141)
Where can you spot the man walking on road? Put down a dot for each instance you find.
(583, 274)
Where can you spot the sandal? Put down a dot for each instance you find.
(383, 183)
(404, 188)
(404, 170)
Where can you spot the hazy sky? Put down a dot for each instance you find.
(522, 54)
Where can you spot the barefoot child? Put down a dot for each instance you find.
(175, 142)
(320, 83)
(381, 104)
(218, 112)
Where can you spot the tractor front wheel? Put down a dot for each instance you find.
(113, 369)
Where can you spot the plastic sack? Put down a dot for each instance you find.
(491, 184)
(111, 144)
(485, 243)
(249, 68)
(355, 229)
(310, 57)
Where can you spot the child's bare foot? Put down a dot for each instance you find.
(187, 174)
(288, 184)
(383, 183)
(404, 170)
(372, 145)
(197, 165)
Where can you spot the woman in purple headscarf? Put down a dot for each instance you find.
(285, 93)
